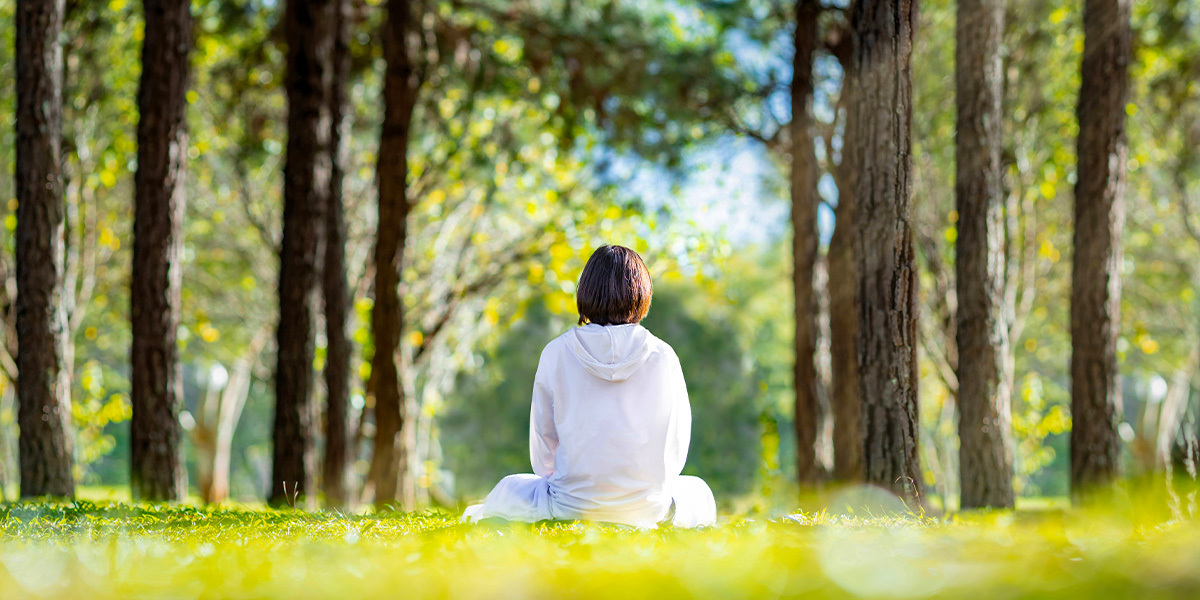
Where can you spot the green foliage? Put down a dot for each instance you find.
(529, 115)
(481, 451)
(723, 387)
(651, 78)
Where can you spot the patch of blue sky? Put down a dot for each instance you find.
(734, 186)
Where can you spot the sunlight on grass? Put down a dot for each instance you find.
(115, 550)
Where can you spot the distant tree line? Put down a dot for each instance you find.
(871, 264)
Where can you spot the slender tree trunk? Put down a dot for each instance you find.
(400, 86)
(1172, 426)
(309, 29)
(8, 452)
(1096, 269)
(156, 461)
(882, 112)
(218, 418)
(336, 293)
(843, 333)
(843, 326)
(843, 294)
(43, 386)
(984, 395)
(804, 243)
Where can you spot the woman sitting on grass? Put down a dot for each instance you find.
(610, 423)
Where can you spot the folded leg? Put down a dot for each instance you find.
(694, 502)
(522, 497)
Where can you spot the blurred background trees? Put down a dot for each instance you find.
(541, 129)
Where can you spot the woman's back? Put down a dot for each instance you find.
(610, 423)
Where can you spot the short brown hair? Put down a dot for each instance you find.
(615, 287)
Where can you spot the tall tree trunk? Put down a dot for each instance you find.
(336, 293)
(984, 393)
(156, 461)
(308, 27)
(882, 113)
(843, 325)
(400, 86)
(804, 243)
(843, 347)
(843, 294)
(43, 386)
(1096, 268)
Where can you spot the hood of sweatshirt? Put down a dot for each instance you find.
(611, 352)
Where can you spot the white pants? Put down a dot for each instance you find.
(526, 497)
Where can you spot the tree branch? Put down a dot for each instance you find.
(265, 232)
(1026, 285)
(1186, 209)
(454, 298)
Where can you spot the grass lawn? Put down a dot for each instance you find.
(116, 550)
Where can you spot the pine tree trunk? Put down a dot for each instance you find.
(882, 112)
(156, 461)
(308, 27)
(1099, 219)
(43, 386)
(843, 293)
(984, 393)
(400, 87)
(843, 326)
(804, 243)
(337, 298)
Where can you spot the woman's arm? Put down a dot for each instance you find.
(543, 437)
(679, 434)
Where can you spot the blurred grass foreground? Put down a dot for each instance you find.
(117, 550)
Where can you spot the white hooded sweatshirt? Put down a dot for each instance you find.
(609, 431)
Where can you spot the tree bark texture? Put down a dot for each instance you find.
(984, 390)
(308, 27)
(336, 292)
(43, 382)
(400, 87)
(843, 321)
(1096, 267)
(881, 153)
(156, 462)
(845, 394)
(804, 243)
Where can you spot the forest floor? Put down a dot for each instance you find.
(116, 550)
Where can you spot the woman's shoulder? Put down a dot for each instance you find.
(556, 345)
(661, 346)
(559, 342)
